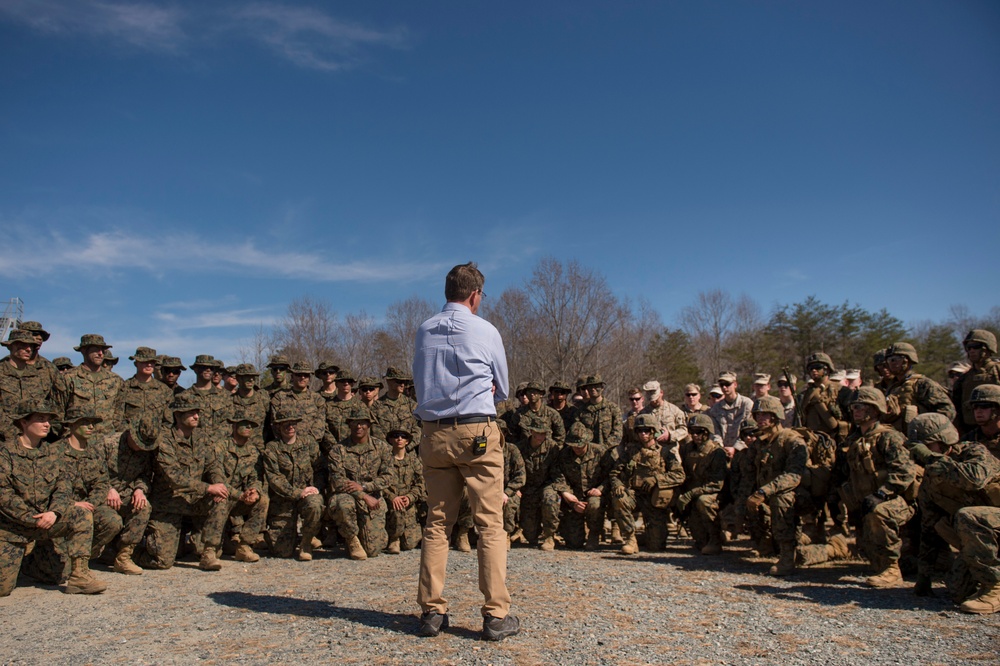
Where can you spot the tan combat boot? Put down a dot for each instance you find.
(393, 547)
(81, 580)
(123, 562)
(786, 562)
(630, 547)
(244, 553)
(713, 547)
(616, 534)
(987, 602)
(316, 542)
(888, 577)
(305, 549)
(547, 543)
(837, 548)
(209, 561)
(355, 550)
(462, 540)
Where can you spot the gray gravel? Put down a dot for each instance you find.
(575, 607)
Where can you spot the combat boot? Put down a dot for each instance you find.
(462, 540)
(631, 546)
(616, 534)
(987, 602)
(123, 562)
(593, 540)
(316, 542)
(548, 542)
(786, 561)
(714, 545)
(888, 577)
(244, 553)
(355, 550)
(837, 548)
(81, 580)
(208, 561)
(305, 549)
(393, 547)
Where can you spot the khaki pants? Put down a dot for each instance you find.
(449, 466)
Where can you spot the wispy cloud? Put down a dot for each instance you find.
(217, 319)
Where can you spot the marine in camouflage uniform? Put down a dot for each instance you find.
(956, 475)
(781, 463)
(187, 481)
(539, 453)
(558, 394)
(360, 472)
(578, 480)
(279, 365)
(980, 348)
(600, 416)
(671, 422)
(978, 531)
(740, 484)
(294, 472)
(251, 402)
(36, 502)
(92, 383)
(537, 409)
(910, 393)
(299, 399)
(338, 408)
(169, 372)
(397, 406)
(216, 404)
(985, 403)
(818, 402)
(142, 394)
(645, 483)
(21, 381)
(368, 392)
(404, 494)
(705, 469)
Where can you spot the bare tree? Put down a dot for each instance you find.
(395, 339)
(257, 348)
(708, 323)
(308, 332)
(358, 338)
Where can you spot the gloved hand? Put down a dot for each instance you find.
(618, 491)
(755, 500)
(683, 501)
(869, 503)
(647, 484)
(923, 455)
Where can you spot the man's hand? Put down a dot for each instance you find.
(45, 520)
(594, 492)
(755, 500)
(618, 491)
(506, 498)
(351, 487)
(401, 502)
(307, 491)
(114, 499)
(250, 496)
(372, 502)
(139, 501)
(218, 491)
(647, 484)
(85, 505)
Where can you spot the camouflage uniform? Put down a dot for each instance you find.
(278, 360)
(916, 394)
(576, 474)
(407, 479)
(729, 417)
(216, 408)
(670, 418)
(100, 390)
(537, 517)
(310, 407)
(255, 407)
(705, 467)
(646, 483)
(992, 443)
(987, 373)
(369, 464)
(242, 470)
(336, 419)
(549, 415)
(603, 420)
(33, 383)
(978, 531)
(136, 399)
(821, 411)
(130, 470)
(91, 483)
(289, 469)
(400, 409)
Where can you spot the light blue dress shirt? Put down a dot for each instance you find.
(459, 359)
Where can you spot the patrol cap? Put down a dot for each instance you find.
(534, 386)
(761, 378)
(869, 395)
(769, 405)
(397, 374)
(716, 391)
(369, 382)
(958, 368)
(325, 367)
(91, 340)
(932, 427)
(36, 329)
(727, 376)
(692, 388)
(985, 393)
(792, 380)
(702, 422)
(579, 435)
(62, 362)
(852, 374)
(143, 354)
(976, 335)
(26, 408)
(18, 335)
(820, 358)
(652, 386)
(302, 368)
(246, 370)
(589, 380)
(838, 376)
(185, 402)
(171, 362)
(279, 360)
(560, 386)
(359, 413)
(903, 349)
(85, 412)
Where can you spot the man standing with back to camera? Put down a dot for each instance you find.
(460, 372)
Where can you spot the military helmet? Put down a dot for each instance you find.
(975, 335)
(83, 412)
(36, 328)
(869, 395)
(932, 427)
(903, 349)
(18, 335)
(748, 426)
(535, 424)
(985, 393)
(359, 413)
(769, 405)
(702, 421)
(820, 358)
(579, 435)
(647, 422)
(26, 408)
(878, 358)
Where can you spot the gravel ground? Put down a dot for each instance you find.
(575, 607)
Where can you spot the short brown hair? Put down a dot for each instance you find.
(462, 281)
(633, 391)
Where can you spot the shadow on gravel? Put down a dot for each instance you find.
(900, 598)
(269, 603)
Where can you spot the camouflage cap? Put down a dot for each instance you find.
(84, 412)
(26, 408)
(229, 370)
(761, 378)
(278, 360)
(369, 382)
(791, 380)
(397, 429)
(36, 329)
(287, 415)
(145, 430)
(903, 349)
(535, 424)
(91, 340)
(397, 374)
(820, 358)
(521, 388)
(878, 358)
(143, 354)
(246, 370)
(171, 362)
(17, 335)
(748, 426)
(110, 358)
(561, 387)
(769, 405)
(579, 435)
(931, 427)
(985, 393)
(240, 415)
(716, 391)
(652, 386)
(206, 361)
(589, 380)
(185, 402)
(62, 362)
(359, 413)
(975, 335)
(647, 422)
(838, 376)
(325, 367)
(702, 421)
(346, 375)
(727, 376)
(688, 388)
(852, 374)
(534, 386)
(869, 395)
(302, 368)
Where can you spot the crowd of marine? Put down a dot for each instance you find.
(897, 470)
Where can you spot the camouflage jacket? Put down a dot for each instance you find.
(656, 462)
(400, 412)
(670, 419)
(336, 418)
(915, 395)
(32, 481)
(603, 420)
(743, 472)
(255, 406)
(139, 398)
(308, 405)
(968, 476)
(538, 464)
(242, 467)
(820, 410)
(88, 473)
(878, 460)
(99, 389)
(128, 470)
(513, 469)
(32, 383)
(407, 478)
(706, 467)
(368, 463)
(781, 462)
(992, 444)
(578, 474)
(546, 414)
(216, 408)
(961, 391)
(183, 470)
(290, 468)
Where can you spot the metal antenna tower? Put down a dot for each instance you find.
(13, 313)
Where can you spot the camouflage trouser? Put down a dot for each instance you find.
(163, 533)
(403, 525)
(574, 526)
(703, 519)
(538, 517)
(654, 518)
(283, 517)
(879, 539)
(775, 519)
(978, 529)
(250, 527)
(353, 518)
(931, 543)
(76, 529)
(133, 523)
(511, 514)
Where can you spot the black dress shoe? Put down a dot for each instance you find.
(431, 623)
(495, 629)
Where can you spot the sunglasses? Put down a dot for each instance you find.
(369, 389)
(725, 384)
(983, 405)
(636, 399)
(691, 395)
(975, 346)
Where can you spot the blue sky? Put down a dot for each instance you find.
(175, 173)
